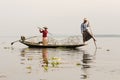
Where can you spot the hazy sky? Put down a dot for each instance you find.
(22, 17)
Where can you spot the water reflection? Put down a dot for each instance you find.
(50, 62)
(45, 59)
(33, 57)
(87, 59)
(57, 60)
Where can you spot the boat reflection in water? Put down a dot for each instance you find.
(35, 58)
(49, 62)
(30, 58)
(44, 62)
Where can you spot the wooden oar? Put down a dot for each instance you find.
(92, 35)
(25, 39)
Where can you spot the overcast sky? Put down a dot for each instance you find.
(22, 17)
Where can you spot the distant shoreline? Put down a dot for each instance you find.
(66, 35)
(107, 35)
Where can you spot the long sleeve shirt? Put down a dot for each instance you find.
(45, 32)
(84, 27)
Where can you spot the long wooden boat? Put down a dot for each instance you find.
(38, 45)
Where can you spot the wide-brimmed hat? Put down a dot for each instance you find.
(45, 27)
(85, 19)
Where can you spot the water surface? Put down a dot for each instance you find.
(17, 62)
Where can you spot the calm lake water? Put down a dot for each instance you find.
(17, 62)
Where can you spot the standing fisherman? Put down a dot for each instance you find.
(44, 32)
(85, 32)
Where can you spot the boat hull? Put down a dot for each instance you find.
(37, 45)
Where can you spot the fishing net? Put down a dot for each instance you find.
(70, 40)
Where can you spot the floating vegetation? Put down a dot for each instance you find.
(29, 67)
(55, 64)
(78, 64)
(55, 61)
(55, 58)
(45, 67)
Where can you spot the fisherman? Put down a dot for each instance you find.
(85, 26)
(44, 32)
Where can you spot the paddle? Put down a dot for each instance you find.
(25, 39)
(92, 34)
